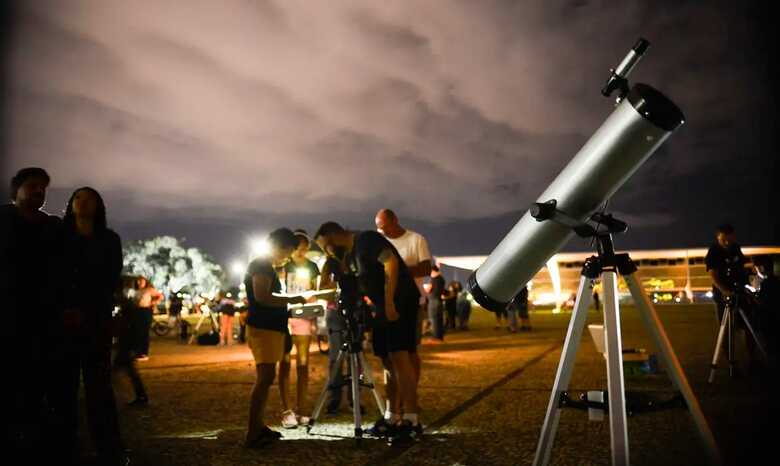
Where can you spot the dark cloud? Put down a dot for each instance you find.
(248, 113)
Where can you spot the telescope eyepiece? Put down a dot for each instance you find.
(641, 46)
(618, 78)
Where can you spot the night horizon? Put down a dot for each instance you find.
(162, 306)
(222, 134)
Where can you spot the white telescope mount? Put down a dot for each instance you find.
(606, 265)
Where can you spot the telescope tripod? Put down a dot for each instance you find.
(203, 316)
(360, 375)
(608, 265)
(726, 332)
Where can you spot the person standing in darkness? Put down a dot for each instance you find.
(91, 264)
(435, 305)
(30, 243)
(726, 266)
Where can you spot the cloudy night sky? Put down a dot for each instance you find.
(218, 120)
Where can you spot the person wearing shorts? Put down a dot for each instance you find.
(266, 327)
(300, 275)
(416, 254)
(386, 281)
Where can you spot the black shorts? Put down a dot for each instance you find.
(287, 342)
(400, 335)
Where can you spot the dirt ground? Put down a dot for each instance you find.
(483, 395)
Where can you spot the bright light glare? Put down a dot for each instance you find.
(708, 294)
(302, 274)
(237, 267)
(259, 247)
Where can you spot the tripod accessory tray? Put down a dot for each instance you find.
(306, 311)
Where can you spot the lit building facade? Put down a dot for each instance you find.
(668, 275)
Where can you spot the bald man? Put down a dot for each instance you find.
(414, 250)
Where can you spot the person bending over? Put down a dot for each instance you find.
(386, 281)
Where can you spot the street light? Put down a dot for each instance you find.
(237, 267)
(259, 247)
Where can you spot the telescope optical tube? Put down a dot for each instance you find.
(634, 130)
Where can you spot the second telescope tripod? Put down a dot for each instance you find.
(607, 265)
(732, 309)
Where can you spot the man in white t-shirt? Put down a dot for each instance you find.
(414, 250)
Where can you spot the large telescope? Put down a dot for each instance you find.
(643, 119)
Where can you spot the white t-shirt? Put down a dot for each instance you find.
(413, 248)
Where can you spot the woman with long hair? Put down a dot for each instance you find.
(92, 263)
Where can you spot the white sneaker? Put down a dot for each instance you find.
(289, 420)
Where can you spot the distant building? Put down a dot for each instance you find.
(668, 275)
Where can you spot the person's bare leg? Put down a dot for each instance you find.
(284, 381)
(302, 387)
(407, 389)
(229, 330)
(416, 363)
(258, 399)
(418, 338)
(302, 371)
(393, 403)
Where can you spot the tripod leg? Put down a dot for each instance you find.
(730, 340)
(355, 379)
(369, 378)
(324, 393)
(753, 334)
(674, 369)
(719, 345)
(616, 385)
(197, 329)
(563, 375)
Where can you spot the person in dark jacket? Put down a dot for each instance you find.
(30, 240)
(91, 266)
(450, 299)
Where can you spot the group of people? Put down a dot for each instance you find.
(389, 266)
(448, 306)
(59, 279)
(66, 271)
